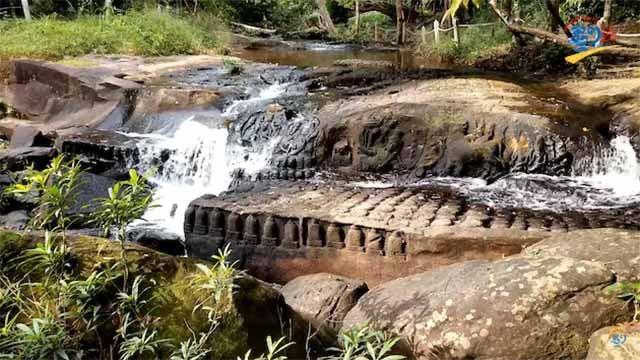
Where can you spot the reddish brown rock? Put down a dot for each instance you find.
(325, 299)
(291, 229)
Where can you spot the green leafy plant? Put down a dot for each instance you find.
(44, 338)
(214, 285)
(274, 350)
(192, 349)
(366, 343)
(232, 66)
(139, 344)
(629, 291)
(127, 202)
(46, 258)
(133, 302)
(56, 186)
(456, 4)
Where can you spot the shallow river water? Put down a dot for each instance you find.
(201, 159)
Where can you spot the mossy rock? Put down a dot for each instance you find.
(256, 311)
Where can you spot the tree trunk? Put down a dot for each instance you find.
(508, 9)
(399, 21)
(357, 16)
(606, 16)
(26, 10)
(554, 23)
(326, 18)
(108, 8)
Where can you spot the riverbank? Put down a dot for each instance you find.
(148, 33)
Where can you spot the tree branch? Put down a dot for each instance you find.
(627, 49)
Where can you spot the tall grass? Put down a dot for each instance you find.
(149, 33)
(475, 43)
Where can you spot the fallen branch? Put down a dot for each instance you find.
(626, 48)
(254, 28)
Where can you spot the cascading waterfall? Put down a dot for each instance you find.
(616, 168)
(610, 178)
(195, 159)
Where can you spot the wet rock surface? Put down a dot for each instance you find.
(15, 220)
(284, 230)
(434, 254)
(457, 126)
(157, 239)
(325, 299)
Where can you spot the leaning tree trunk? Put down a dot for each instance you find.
(554, 23)
(606, 16)
(26, 10)
(399, 21)
(326, 17)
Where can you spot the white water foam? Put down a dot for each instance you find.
(616, 168)
(610, 178)
(201, 161)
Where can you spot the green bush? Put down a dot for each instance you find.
(149, 33)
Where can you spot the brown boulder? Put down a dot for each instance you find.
(615, 343)
(60, 96)
(323, 299)
(456, 126)
(519, 308)
(616, 250)
(155, 100)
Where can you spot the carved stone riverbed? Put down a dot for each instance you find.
(282, 230)
(413, 183)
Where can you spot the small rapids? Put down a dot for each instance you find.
(194, 155)
(194, 158)
(608, 179)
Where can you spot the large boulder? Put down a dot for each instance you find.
(615, 343)
(520, 308)
(619, 97)
(323, 298)
(615, 249)
(456, 126)
(60, 96)
(17, 159)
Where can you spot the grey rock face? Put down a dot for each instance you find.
(520, 308)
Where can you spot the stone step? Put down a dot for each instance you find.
(282, 230)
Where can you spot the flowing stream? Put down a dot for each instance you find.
(609, 178)
(195, 157)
